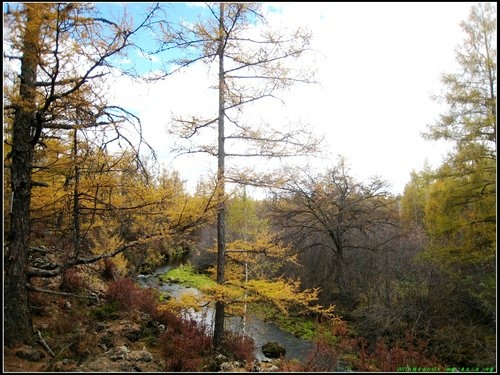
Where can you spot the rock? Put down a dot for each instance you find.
(120, 352)
(146, 319)
(220, 358)
(273, 350)
(93, 299)
(161, 328)
(101, 364)
(29, 353)
(231, 366)
(140, 356)
(99, 327)
(126, 328)
(272, 368)
(227, 367)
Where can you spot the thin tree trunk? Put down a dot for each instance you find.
(221, 246)
(76, 192)
(17, 321)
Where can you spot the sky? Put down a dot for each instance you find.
(378, 64)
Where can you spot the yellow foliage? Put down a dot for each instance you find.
(121, 264)
(224, 293)
(186, 301)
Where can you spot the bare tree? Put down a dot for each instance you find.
(334, 213)
(251, 67)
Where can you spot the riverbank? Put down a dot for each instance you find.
(121, 342)
(183, 279)
(122, 330)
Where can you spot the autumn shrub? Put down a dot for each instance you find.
(147, 300)
(323, 358)
(239, 346)
(291, 365)
(131, 296)
(109, 270)
(72, 281)
(164, 316)
(409, 354)
(83, 344)
(185, 344)
(63, 324)
(65, 320)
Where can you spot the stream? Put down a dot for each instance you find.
(260, 331)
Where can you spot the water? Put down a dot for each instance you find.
(260, 331)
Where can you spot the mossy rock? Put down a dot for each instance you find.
(273, 350)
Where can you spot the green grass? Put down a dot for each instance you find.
(299, 326)
(187, 275)
(107, 311)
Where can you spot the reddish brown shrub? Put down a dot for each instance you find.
(185, 345)
(165, 317)
(323, 358)
(72, 281)
(409, 353)
(240, 347)
(131, 296)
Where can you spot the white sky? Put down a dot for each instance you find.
(378, 64)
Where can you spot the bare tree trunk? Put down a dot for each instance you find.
(76, 203)
(221, 251)
(17, 321)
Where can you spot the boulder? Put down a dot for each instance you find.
(273, 350)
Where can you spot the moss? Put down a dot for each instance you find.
(299, 326)
(188, 276)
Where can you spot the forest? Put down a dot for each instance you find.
(376, 281)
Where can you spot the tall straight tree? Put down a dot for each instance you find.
(64, 50)
(251, 67)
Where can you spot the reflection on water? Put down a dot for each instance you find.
(260, 331)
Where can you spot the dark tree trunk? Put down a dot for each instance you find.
(221, 246)
(17, 321)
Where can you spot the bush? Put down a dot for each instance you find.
(130, 296)
(109, 270)
(72, 281)
(239, 347)
(185, 344)
(387, 359)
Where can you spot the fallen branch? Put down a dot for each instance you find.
(40, 249)
(66, 294)
(66, 347)
(44, 344)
